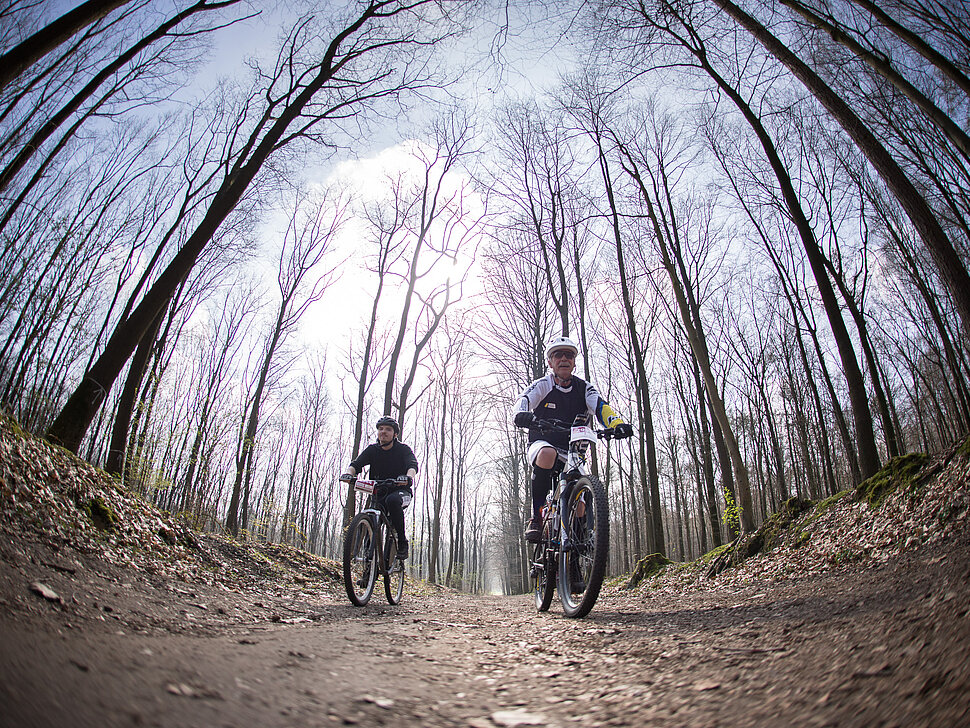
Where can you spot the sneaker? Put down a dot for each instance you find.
(402, 550)
(533, 531)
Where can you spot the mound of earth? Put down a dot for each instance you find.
(851, 612)
(913, 503)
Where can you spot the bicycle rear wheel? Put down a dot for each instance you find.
(394, 568)
(360, 559)
(543, 576)
(582, 560)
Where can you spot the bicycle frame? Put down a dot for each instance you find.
(574, 467)
(381, 520)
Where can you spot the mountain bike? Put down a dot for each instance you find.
(363, 560)
(572, 552)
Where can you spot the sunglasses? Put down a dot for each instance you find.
(563, 354)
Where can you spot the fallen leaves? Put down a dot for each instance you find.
(514, 718)
(46, 592)
(46, 494)
(184, 690)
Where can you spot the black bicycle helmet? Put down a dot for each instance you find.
(388, 420)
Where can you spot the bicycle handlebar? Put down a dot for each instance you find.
(353, 479)
(553, 425)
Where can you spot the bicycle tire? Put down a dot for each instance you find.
(393, 568)
(587, 553)
(360, 562)
(543, 576)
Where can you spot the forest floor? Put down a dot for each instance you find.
(858, 617)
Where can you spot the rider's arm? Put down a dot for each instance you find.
(532, 396)
(411, 462)
(404, 459)
(363, 459)
(607, 416)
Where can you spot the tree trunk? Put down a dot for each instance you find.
(947, 259)
(869, 355)
(363, 384)
(866, 440)
(917, 43)
(19, 58)
(438, 492)
(957, 136)
(65, 112)
(115, 461)
(698, 347)
(648, 447)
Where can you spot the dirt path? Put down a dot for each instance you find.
(887, 646)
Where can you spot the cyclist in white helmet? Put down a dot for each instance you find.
(561, 396)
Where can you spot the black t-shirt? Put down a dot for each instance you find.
(385, 463)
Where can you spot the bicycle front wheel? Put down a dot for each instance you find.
(543, 576)
(360, 559)
(582, 560)
(394, 568)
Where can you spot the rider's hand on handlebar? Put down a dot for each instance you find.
(404, 481)
(623, 430)
(524, 419)
(346, 478)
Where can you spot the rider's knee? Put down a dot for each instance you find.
(546, 458)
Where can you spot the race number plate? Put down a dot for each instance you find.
(579, 433)
(364, 486)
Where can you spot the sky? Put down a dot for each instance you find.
(533, 56)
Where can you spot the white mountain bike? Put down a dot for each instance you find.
(573, 549)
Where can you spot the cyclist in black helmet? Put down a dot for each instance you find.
(558, 395)
(389, 458)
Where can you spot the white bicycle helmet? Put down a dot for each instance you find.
(561, 342)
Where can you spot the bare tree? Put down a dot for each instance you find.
(355, 70)
(307, 250)
(657, 195)
(682, 29)
(214, 367)
(882, 65)
(592, 113)
(541, 193)
(950, 265)
(46, 130)
(444, 225)
(916, 40)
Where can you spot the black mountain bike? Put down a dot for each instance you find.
(572, 552)
(363, 560)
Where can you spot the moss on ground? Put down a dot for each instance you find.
(770, 535)
(646, 567)
(714, 553)
(901, 471)
(100, 513)
(772, 532)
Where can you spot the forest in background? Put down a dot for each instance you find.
(753, 217)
